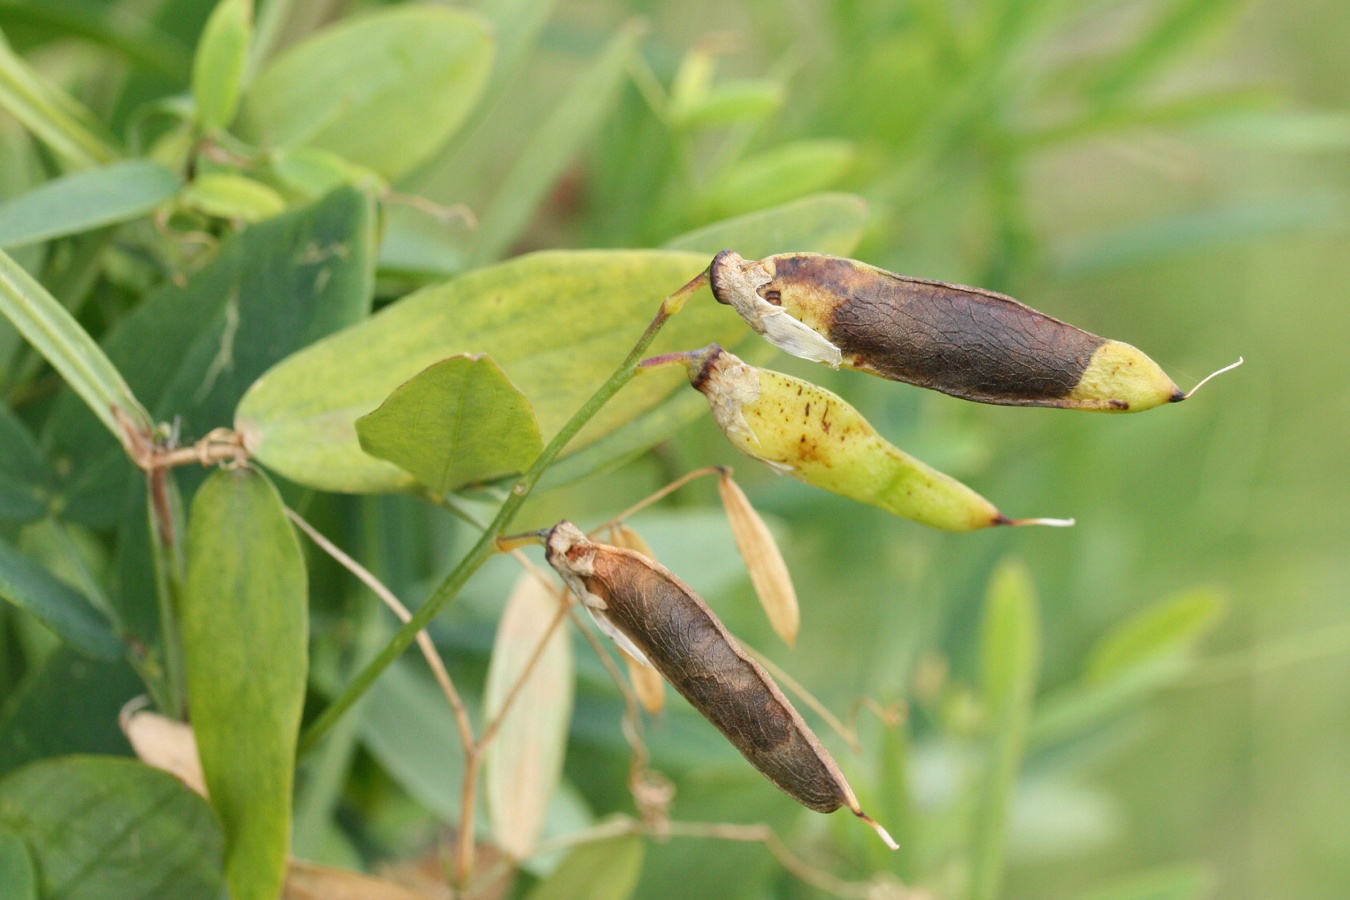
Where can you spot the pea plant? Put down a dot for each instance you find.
(239, 340)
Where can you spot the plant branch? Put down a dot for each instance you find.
(486, 544)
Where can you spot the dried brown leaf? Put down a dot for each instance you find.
(648, 684)
(768, 571)
(310, 881)
(163, 743)
(523, 763)
(627, 538)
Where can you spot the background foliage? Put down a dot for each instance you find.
(1167, 172)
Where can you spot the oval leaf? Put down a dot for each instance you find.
(523, 765)
(16, 867)
(604, 870)
(245, 639)
(558, 323)
(56, 604)
(83, 201)
(384, 91)
(25, 479)
(821, 223)
(218, 67)
(112, 829)
(229, 196)
(784, 173)
(458, 422)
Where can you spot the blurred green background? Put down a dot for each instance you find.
(1170, 173)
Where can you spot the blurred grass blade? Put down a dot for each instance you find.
(458, 422)
(101, 828)
(1182, 23)
(220, 62)
(517, 25)
(57, 605)
(26, 481)
(820, 223)
(1009, 661)
(55, 334)
(558, 323)
(604, 870)
(226, 195)
(16, 867)
(64, 125)
(1193, 881)
(1167, 628)
(744, 101)
(786, 172)
(553, 144)
(523, 765)
(384, 90)
(245, 635)
(83, 201)
(136, 38)
(763, 560)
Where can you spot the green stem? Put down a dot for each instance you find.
(487, 543)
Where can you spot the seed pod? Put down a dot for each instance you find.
(964, 341)
(813, 435)
(678, 635)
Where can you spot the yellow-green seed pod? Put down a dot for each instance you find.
(964, 341)
(812, 434)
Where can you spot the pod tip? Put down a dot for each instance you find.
(876, 826)
(1178, 397)
(1052, 523)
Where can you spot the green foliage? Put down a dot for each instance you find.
(410, 251)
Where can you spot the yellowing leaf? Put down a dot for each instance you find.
(523, 764)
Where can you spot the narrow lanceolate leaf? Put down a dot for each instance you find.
(553, 144)
(1010, 659)
(82, 201)
(54, 333)
(56, 604)
(26, 481)
(54, 117)
(218, 68)
(817, 222)
(604, 870)
(523, 765)
(763, 559)
(101, 828)
(1163, 631)
(456, 423)
(384, 90)
(245, 638)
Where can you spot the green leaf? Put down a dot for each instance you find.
(54, 117)
(786, 172)
(458, 422)
(16, 867)
(245, 638)
(1165, 629)
(191, 350)
(558, 323)
(730, 103)
(408, 727)
(69, 705)
(219, 65)
(54, 333)
(25, 479)
(384, 90)
(86, 200)
(523, 765)
(1009, 661)
(313, 172)
(56, 604)
(604, 870)
(1193, 881)
(1180, 23)
(112, 829)
(226, 195)
(517, 25)
(821, 223)
(552, 144)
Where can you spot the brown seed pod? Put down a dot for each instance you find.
(659, 619)
(964, 341)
